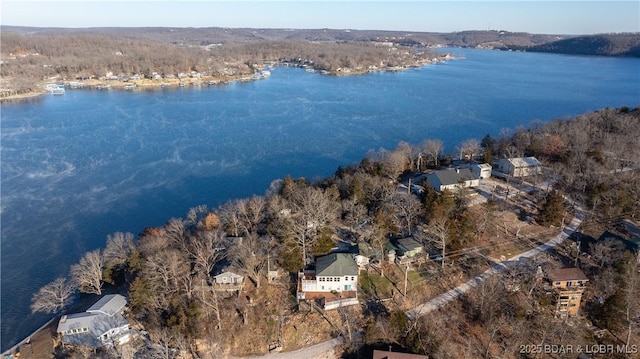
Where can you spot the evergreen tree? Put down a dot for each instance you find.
(552, 210)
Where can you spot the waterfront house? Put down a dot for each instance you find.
(569, 284)
(452, 179)
(518, 167)
(100, 325)
(333, 282)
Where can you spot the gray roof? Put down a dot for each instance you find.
(101, 317)
(408, 244)
(96, 324)
(451, 176)
(524, 162)
(336, 265)
(109, 304)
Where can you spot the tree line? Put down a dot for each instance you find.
(33, 58)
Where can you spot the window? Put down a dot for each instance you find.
(322, 279)
(353, 278)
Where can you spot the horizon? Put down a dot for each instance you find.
(534, 17)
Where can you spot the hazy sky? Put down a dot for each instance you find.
(551, 17)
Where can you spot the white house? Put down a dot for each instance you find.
(334, 272)
(228, 278)
(333, 283)
(481, 170)
(518, 167)
(102, 324)
(452, 179)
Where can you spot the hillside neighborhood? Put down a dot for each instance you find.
(495, 227)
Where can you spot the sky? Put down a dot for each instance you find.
(544, 17)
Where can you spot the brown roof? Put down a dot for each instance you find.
(380, 354)
(566, 274)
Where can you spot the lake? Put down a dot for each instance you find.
(78, 167)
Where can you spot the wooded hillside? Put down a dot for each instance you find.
(168, 271)
(34, 55)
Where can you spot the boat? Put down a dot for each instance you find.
(55, 89)
(130, 86)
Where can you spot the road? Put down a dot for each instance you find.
(324, 350)
(463, 288)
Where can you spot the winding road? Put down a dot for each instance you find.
(324, 350)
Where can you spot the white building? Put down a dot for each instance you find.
(102, 324)
(481, 170)
(334, 282)
(334, 272)
(452, 179)
(518, 167)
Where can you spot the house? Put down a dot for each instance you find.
(381, 354)
(228, 281)
(404, 251)
(518, 167)
(569, 285)
(333, 282)
(480, 170)
(100, 325)
(452, 179)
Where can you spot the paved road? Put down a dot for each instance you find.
(463, 288)
(324, 350)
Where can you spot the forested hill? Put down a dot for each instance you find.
(625, 44)
(606, 45)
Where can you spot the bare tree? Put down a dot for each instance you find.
(433, 149)
(440, 228)
(469, 149)
(119, 248)
(250, 256)
(87, 274)
(251, 212)
(175, 231)
(53, 297)
(407, 209)
(230, 218)
(311, 208)
(393, 163)
(206, 249)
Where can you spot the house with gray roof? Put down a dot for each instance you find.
(335, 273)
(101, 325)
(452, 179)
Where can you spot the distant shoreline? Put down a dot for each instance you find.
(204, 81)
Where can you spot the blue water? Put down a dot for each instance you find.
(78, 167)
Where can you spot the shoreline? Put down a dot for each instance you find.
(204, 81)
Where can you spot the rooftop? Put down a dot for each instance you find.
(524, 161)
(110, 305)
(566, 274)
(454, 176)
(336, 265)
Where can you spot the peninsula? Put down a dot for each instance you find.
(31, 58)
